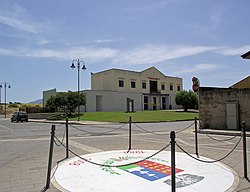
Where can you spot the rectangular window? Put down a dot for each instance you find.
(121, 83)
(171, 88)
(132, 84)
(178, 87)
(144, 85)
(162, 87)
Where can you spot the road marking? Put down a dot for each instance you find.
(151, 140)
(84, 147)
(6, 128)
(184, 142)
(24, 139)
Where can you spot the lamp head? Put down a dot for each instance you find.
(84, 67)
(72, 65)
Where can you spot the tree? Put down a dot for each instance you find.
(66, 101)
(51, 104)
(188, 99)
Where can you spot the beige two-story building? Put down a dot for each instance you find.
(145, 90)
(123, 90)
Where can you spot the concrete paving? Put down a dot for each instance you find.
(24, 158)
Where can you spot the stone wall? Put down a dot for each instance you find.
(213, 112)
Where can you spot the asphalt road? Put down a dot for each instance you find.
(24, 147)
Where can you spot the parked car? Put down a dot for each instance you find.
(19, 116)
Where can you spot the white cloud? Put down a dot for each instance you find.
(93, 54)
(16, 17)
(6, 52)
(234, 51)
(108, 40)
(149, 54)
(199, 68)
(42, 41)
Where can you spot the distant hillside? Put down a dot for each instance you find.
(38, 101)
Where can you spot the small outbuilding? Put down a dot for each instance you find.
(224, 108)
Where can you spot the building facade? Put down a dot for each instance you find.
(47, 94)
(156, 90)
(123, 90)
(224, 108)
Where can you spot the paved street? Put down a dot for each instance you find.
(24, 148)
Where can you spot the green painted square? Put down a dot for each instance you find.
(128, 167)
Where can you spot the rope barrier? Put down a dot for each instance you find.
(161, 134)
(105, 165)
(60, 143)
(229, 139)
(97, 132)
(185, 128)
(147, 130)
(214, 161)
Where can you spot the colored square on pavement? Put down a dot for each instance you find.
(149, 170)
(145, 173)
(128, 167)
(164, 169)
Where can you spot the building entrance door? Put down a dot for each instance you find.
(232, 115)
(163, 103)
(98, 102)
(154, 103)
(145, 103)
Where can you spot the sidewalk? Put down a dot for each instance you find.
(71, 122)
(222, 132)
(201, 131)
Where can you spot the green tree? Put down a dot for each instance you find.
(66, 101)
(188, 99)
(51, 104)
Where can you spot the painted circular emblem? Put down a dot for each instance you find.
(138, 173)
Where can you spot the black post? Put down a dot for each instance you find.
(78, 89)
(50, 156)
(129, 134)
(244, 149)
(5, 96)
(172, 142)
(67, 136)
(196, 137)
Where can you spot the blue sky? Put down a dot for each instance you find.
(183, 38)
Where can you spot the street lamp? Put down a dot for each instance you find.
(1, 93)
(73, 66)
(5, 94)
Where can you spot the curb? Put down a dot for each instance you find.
(222, 132)
(71, 122)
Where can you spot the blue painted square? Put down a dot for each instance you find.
(145, 173)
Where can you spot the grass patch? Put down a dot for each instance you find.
(139, 116)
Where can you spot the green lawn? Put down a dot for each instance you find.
(139, 116)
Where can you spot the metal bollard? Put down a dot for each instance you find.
(244, 149)
(172, 137)
(53, 128)
(67, 136)
(196, 137)
(129, 134)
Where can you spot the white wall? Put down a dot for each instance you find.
(112, 101)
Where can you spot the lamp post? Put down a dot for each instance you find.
(77, 63)
(5, 94)
(1, 93)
